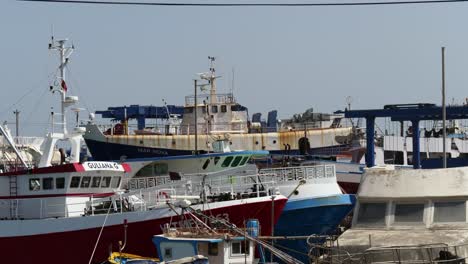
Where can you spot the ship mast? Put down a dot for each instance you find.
(212, 80)
(60, 85)
(64, 53)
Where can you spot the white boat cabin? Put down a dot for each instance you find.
(398, 207)
(57, 191)
(217, 249)
(150, 172)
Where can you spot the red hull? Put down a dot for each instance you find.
(77, 246)
(349, 187)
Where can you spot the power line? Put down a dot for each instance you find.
(248, 4)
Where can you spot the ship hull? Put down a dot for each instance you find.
(115, 151)
(304, 217)
(72, 240)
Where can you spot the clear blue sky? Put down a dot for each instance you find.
(285, 58)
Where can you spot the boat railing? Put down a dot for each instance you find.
(412, 254)
(24, 141)
(219, 99)
(245, 186)
(196, 189)
(300, 173)
(178, 129)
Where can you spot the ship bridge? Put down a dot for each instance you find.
(141, 112)
(404, 112)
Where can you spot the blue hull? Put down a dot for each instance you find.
(104, 151)
(320, 216)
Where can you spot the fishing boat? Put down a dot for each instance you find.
(313, 192)
(407, 216)
(316, 205)
(220, 241)
(77, 211)
(208, 117)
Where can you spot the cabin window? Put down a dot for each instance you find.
(227, 161)
(48, 183)
(244, 160)
(60, 183)
(216, 160)
(155, 169)
(372, 213)
(96, 182)
(75, 182)
(188, 110)
(35, 184)
(223, 108)
(213, 249)
(449, 212)
(205, 165)
(236, 161)
(105, 182)
(240, 247)
(409, 213)
(168, 253)
(214, 109)
(115, 183)
(85, 182)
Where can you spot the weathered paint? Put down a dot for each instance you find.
(253, 141)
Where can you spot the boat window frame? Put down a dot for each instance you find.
(244, 160)
(434, 202)
(60, 185)
(227, 161)
(213, 249)
(379, 224)
(115, 186)
(93, 181)
(223, 108)
(206, 164)
(103, 180)
(236, 161)
(50, 181)
(244, 248)
(37, 186)
(83, 183)
(400, 223)
(72, 182)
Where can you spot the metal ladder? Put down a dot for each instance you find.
(13, 193)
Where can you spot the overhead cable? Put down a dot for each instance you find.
(249, 4)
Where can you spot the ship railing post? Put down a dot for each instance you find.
(92, 205)
(121, 203)
(256, 186)
(40, 212)
(416, 145)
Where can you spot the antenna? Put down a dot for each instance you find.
(232, 81)
(167, 108)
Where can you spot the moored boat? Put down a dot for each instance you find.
(209, 117)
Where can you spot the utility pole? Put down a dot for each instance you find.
(196, 117)
(444, 117)
(17, 112)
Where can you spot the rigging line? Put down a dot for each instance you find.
(247, 4)
(100, 233)
(79, 91)
(35, 107)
